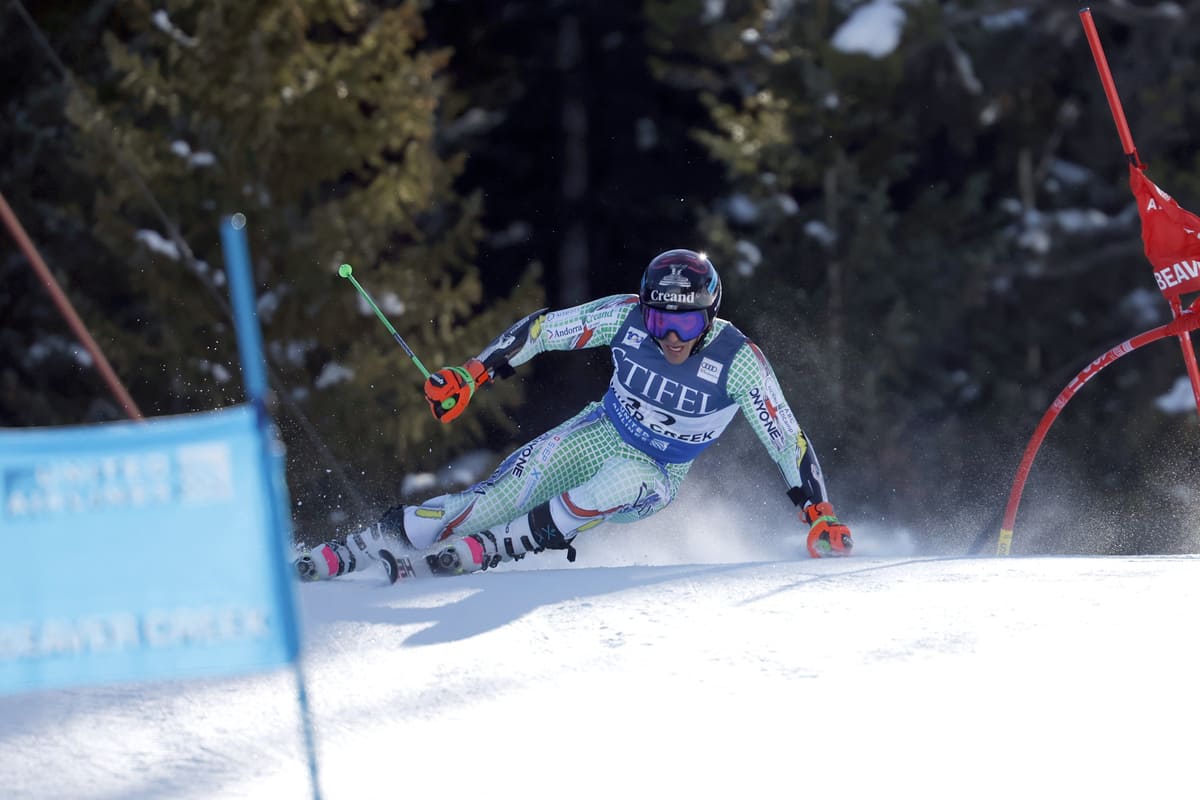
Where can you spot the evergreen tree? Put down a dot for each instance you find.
(46, 377)
(909, 215)
(585, 159)
(930, 238)
(319, 121)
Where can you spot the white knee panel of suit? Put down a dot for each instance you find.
(425, 527)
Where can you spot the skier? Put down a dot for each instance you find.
(680, 374)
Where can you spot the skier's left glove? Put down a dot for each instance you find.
(450, 389)
(827, 536)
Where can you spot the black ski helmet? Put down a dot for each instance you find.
(682, 280)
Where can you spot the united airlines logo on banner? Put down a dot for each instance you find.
(139, 551)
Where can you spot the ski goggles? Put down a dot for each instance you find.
(686, 324)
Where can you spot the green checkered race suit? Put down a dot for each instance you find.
(622, 458)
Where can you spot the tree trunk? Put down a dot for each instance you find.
(574, 286)
(836, 311)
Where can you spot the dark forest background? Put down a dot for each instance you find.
(928, 242)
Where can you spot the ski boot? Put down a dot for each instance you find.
(326, 561)
(471, 553)
(357, 551)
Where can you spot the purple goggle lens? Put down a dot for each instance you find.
(686, 324)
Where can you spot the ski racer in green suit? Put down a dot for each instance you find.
(680, 374)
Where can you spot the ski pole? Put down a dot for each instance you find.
(347, 272)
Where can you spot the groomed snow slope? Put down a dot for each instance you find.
(868, 677)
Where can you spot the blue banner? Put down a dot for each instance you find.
(143, 551)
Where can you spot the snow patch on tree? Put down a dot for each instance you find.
(872, 30)
(1179, 400)
(332, 374)
(194, 158)
(162, 21)
(749, 256)
(1005, 19)
(1144, 307)
(157, 243)
(820, 231)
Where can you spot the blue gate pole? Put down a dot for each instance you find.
(254, 376)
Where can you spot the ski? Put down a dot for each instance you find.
(397, 568)
(406, 567)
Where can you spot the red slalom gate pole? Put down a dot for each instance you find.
(1185, 343)
(1186, 322)
(1118, 114)
(1181, 326)
(1110, 87)
(68, 311)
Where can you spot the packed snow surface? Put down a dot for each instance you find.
(878, 676)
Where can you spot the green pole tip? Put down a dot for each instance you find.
(344, 270)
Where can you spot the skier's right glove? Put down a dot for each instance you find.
(827, 536)
(450, 388)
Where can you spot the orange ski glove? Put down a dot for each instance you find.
(827, 536)
(450, 389)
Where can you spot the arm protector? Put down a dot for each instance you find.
(812, 483)
(495, 356)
